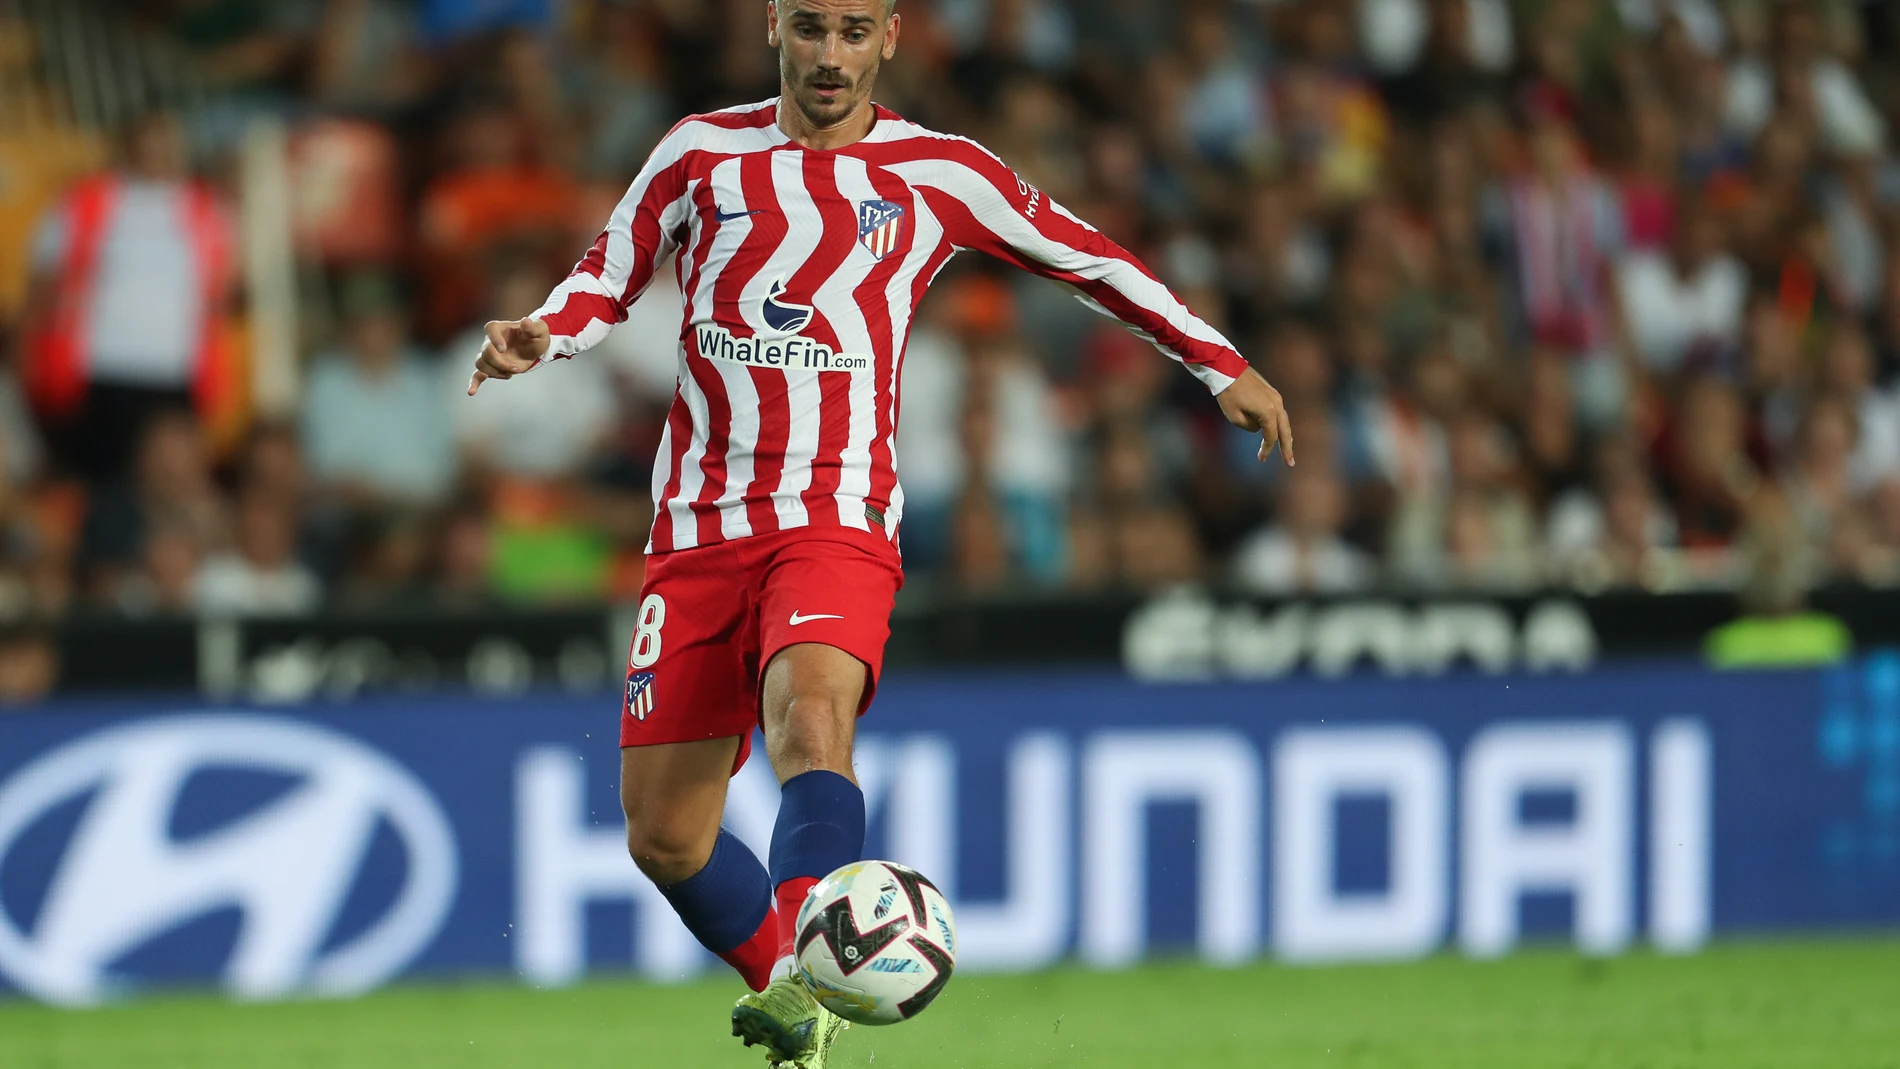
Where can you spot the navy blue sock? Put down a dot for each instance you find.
(728, 907)
(820, 826)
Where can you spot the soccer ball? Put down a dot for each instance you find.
(876, 942)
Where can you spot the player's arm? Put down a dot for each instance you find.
(639, 236)
(986, 206)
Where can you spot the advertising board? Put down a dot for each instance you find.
(329, 849)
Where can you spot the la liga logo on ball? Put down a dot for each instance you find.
(876, 942)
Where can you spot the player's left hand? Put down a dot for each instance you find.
(1252, 405)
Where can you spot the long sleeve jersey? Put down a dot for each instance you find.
(802, 271)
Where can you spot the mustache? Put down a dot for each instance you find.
(829, 81)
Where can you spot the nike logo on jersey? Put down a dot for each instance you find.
(782, 316)
(727, 217)
(797, 619)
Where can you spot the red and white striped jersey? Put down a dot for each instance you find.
(801, 271)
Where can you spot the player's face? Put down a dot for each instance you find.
(829, 52)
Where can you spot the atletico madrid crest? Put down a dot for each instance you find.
(639, 695)
(880, 225)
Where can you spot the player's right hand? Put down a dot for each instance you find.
(512, 348)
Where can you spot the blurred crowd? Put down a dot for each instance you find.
(1584, 293)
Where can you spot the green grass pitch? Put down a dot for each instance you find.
(1771, 1005)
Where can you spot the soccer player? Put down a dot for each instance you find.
(807, 229)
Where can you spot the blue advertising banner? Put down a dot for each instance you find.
(329, 849)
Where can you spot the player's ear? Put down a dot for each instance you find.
(891, 28)
(771, 23)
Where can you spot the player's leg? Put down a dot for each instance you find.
(689, 710)
(824, 617)
(673, 796)
(809, 707)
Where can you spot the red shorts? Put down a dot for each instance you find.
(713, 617)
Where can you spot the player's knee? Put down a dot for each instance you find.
(815, 733)
(666, 855)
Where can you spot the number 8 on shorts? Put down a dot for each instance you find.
(646, 632)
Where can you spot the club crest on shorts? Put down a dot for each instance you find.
(639, 694)
(880, 225)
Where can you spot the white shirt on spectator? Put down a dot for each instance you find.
(146, 307)
(1877, 455)
(1575, 525)
(1848, 120)
(1045, 30)
(1667, 314)
(1271, 562)
(1029, 453)
(231, 584)
(1701, 19)
(390, 433)
(544, 424)
(1392, 33)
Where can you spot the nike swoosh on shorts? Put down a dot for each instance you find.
(797, 619)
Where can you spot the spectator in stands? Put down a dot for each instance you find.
(1442, 55)
(171, 489)
(1302, 551)
(1774, 377)
(261, 575)
(1480, 530)
(1609, 533)
(1282, 261)
(623, 80)
(986, 421)
(1649, 179)
(551, 426)
(1819, 482)
(1559, 228)
(376, 422)
(500, 193)
(388, 562)
(1853, 209)
(1129, 529)
(1778, 566)
(167, 574)
(1800, 64)
(1556, 456)
(1402, 431)
(132, 274)
(979, 546)
(1224, 107)
(1036, 33)
(1706, 462)
(1697, 193)
(1333, 126)
(1884, 514)
(1847, 374)
(273, 463)
(1683, 308)
(29, 662)
(364, 56)
(462, 572)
